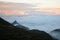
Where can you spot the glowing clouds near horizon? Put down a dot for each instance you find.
(52, 7)
(50, 11)
(12, 12)
(7, 6)
(11, 9)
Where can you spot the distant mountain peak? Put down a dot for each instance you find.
(15, 23)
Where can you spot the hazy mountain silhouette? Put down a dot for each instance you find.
(10, 32)
(55, 33)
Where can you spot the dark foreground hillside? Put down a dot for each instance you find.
(10, 32)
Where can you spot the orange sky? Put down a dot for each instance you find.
(6, 6)
(51, 11)
(5, 9)
(11, 12)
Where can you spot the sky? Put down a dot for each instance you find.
(52, 7)
(32, 7)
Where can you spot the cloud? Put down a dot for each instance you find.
(12, 12)
(14, 8)
(8, 8)
(50, 11)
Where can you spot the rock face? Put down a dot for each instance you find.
(15, 23)
(10, 32)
